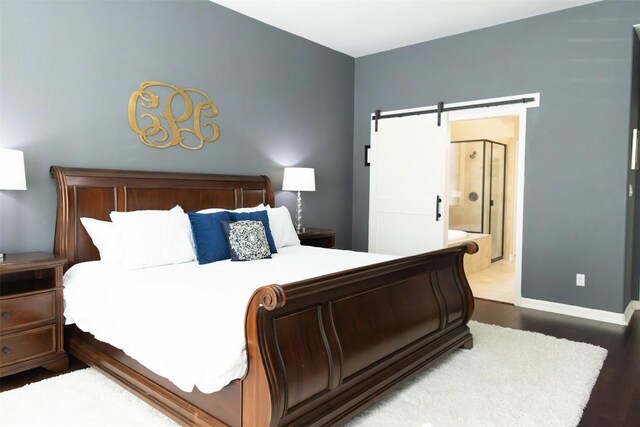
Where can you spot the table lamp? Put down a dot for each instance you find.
(299, 179)
(12, 176)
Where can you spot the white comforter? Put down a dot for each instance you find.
(185, 322)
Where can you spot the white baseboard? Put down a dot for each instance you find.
(633, 306)
(585, 313)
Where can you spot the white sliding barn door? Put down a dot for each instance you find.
(407, 178)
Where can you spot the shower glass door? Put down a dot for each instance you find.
(477, 183)
(467, 184)
(497, 184)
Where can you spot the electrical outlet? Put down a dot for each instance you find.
(579, 279)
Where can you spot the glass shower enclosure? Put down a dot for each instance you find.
(477, 182)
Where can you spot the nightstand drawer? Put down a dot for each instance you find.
(27, 344)
(27, 310)
(320, 242)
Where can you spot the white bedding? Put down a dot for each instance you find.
(185, 322)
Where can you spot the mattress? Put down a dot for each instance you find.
(185, 322)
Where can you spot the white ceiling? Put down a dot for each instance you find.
(363, 27)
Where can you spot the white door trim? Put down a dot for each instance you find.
(508, 110)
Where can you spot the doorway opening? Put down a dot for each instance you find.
(409, 192)
(482, 200)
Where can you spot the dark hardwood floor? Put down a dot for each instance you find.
(615, 399)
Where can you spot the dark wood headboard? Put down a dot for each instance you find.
(95, 193)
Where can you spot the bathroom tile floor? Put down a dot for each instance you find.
(495, 283)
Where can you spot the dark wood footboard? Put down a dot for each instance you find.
(322, 350)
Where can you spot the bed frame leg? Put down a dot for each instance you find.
(468, 345)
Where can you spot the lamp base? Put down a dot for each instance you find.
(299, 228)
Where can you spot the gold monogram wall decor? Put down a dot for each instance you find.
(158, 126)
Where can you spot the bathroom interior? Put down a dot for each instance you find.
(482, 201)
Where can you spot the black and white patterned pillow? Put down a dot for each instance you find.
(247, 240)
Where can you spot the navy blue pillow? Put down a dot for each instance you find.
(257, 216)
(208, 236)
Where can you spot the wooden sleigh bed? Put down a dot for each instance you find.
(319, 350)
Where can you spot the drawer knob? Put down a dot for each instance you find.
(6, 350)
(5, 315)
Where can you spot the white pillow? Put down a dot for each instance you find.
(282, 229)
(211, 210)
(153, 238)
(260, 207)
(103, 235)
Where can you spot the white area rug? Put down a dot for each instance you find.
(510, 378)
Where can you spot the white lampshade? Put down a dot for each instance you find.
(12, 176)
(299, 179)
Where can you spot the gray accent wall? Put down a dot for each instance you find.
(577, 149)
(68, 68)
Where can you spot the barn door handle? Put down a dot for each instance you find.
(438, 214)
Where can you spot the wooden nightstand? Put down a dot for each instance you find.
(320, 237)
(31, 320)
